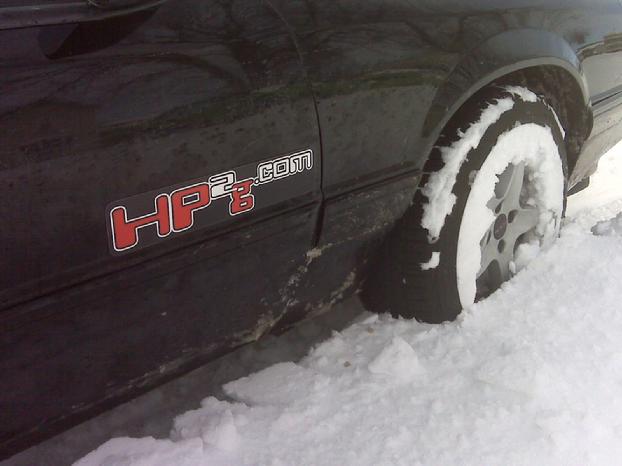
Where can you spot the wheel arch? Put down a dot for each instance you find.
(544, 62)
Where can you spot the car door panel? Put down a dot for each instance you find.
(121, 334)
(157, 110)
(185, 92)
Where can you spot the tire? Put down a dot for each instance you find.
(462, 237)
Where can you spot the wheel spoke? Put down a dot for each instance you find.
(515, 187)
(495, 205)
(512, 222)
(495, 269)
(524, 220)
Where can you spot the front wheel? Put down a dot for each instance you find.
(496, 201)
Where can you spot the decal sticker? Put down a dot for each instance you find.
(197, 204)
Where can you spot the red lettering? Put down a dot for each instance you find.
(125, 232)
(185, 202)
(241, 198)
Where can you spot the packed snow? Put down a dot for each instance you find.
(532, 375)
(434, 261)
(438, 189)
(609, 227)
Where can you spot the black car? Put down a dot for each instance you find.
(180, 177)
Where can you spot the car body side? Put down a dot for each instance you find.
(194, 88)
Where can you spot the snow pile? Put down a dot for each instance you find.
(604, 190)
(434, 261)
(525, 253)
(532, 375)
(397, 360)
(609, 227)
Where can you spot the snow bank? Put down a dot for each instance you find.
(609, 227)
(532, 375)
(604, 188)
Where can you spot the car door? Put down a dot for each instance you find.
(160, 177)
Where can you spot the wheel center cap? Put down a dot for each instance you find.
(501, 226)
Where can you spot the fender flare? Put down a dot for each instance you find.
(494, 58)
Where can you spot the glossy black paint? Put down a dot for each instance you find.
(191, 89)
(14, 14)
(95, 111)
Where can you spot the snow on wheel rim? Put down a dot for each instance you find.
(523, 178)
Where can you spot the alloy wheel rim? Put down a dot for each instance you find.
(515, 219)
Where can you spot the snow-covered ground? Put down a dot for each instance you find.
(532, 375)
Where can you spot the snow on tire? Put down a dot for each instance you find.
(493, 201)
